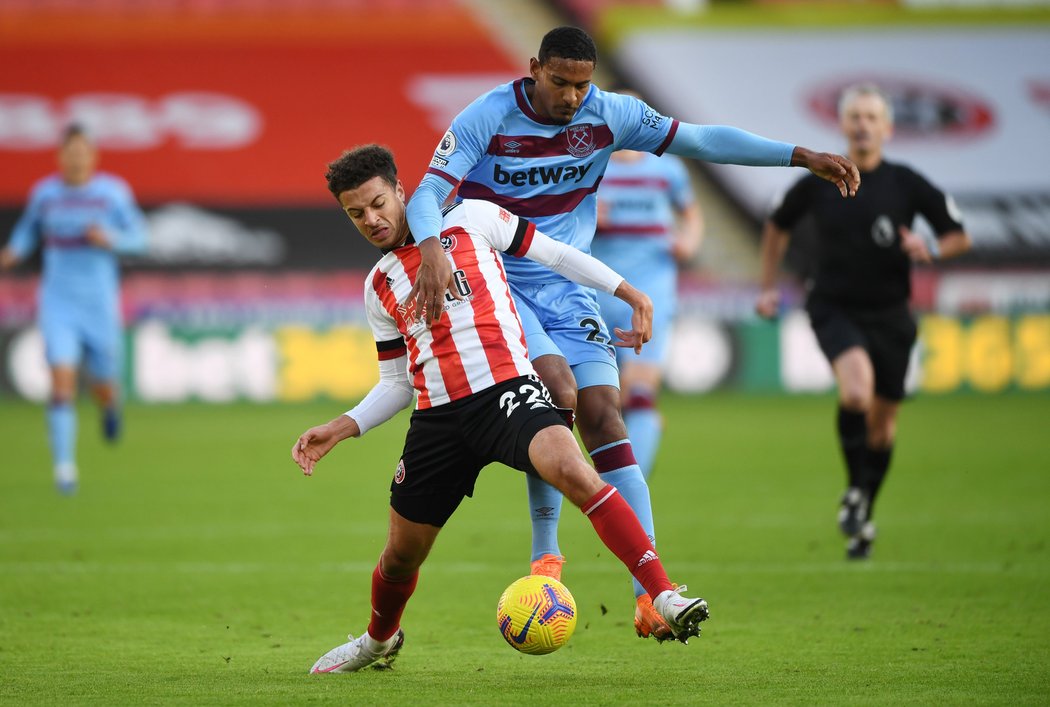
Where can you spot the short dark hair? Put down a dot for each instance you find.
(355, 167)
(568, 43)
(74, 130)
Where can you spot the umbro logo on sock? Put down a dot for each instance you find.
(649, 556)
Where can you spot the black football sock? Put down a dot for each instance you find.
(853, 438)
(878, 464)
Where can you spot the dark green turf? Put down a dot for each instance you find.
(197, 566)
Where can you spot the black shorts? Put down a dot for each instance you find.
(448, 445)
(887, 334)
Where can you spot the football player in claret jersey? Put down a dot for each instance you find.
(478, 399)
(82, 220)
(538, 147)
(648, 224)
(858, 301)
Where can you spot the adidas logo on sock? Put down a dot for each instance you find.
(649, 556)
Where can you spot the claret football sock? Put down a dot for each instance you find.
(618, 527)
(389, 597)
(617, 466)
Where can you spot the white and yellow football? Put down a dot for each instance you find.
(536, 614)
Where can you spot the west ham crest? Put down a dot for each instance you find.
(580, 140)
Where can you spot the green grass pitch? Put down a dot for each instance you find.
(198, 566)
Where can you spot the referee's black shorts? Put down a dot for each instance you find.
(886, 333)
(448, 445)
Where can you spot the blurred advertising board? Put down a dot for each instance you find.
(298, 336)
(969, 114)
(230, 108)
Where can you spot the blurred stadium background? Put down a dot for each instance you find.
(223, 113)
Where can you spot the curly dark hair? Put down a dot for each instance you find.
(568, 43)
(355, 167)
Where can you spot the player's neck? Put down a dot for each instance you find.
(76, 180)
(866, 161)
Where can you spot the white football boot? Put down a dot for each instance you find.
(682, 614)
(360, 653)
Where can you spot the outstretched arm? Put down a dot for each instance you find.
(388, 397)
(727, 145)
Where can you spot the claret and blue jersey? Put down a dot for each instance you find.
(58, 217)
(80, 286)
(504, 152)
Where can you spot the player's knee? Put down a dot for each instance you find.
(563, 393)
(61, 397)
(401, 560)
(882, 433)
(577, 480)
(855, 396)
(600, 425)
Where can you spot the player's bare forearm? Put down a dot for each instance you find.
(834, 168)
(433, 279)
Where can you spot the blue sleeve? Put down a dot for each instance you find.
(26, 235)
(424, 208)
(727, 145)
(461, 147)
(129, 224)
(637, 126)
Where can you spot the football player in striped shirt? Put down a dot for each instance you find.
(478, 399)
(538, 146)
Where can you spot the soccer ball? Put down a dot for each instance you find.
(536, 614)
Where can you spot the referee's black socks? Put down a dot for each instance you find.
(853, 437)
(877, 464)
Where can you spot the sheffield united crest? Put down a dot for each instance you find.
(580, 140)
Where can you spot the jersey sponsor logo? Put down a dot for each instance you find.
(399, 475)
(921, 109)
(447, 145)
(882, 231)
(439, 162)
(534, 176)
(504, 215)
(580, 139)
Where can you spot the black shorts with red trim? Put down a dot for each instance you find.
(447, 446)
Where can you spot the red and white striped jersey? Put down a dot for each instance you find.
(478, 342)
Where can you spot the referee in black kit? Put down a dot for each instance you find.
(858, 300)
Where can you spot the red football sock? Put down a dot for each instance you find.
(389, 597)
(619, 529)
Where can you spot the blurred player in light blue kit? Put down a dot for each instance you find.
(648, 224)
(82, 220)
(539, 147)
